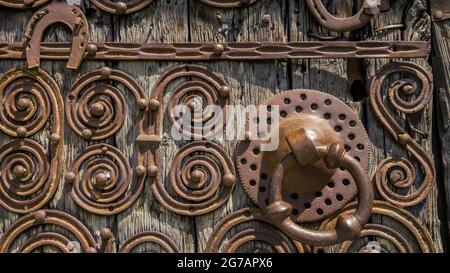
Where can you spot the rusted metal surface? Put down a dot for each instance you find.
(121, 7)
(417, 239)
(232, 51)
(49, 218)
(228, 3)
(29, 174)
(96, 109)
(202, 176)
(61, 13)
(103, 181)
(222, 241)
(23, 4)
(408, 95)
(149, 237)
(322, 191)
(368, 10)
(205, 89)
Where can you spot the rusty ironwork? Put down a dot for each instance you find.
(250, 51)
(49, 218)
(61, 13)
(368, 10)
(29, 175)
(121, 7)
(322, 191)
(202, 176)
(229, 3)
(261, 230)
(103, 181)
(96, 109)
(23, 4)
(410, 94)
(149, 237)
(400, 230)
(205, 89)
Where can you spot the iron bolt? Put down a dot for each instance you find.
(229, 180)
(438, 14)
(40, 216)
(153, 170)
(218, 48)
(92, 49)
(154, 104)
(19, 171)
(21, 131)
(121, 7)
(55, 138)
(140, 170)
(23, 104)
(86, 134)
(70, 177)
(225, 91)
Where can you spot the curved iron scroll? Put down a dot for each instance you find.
(102, 178)
(29, 173)
(23, 4)
(54, 13)
(399, 172)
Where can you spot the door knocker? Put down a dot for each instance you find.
(320, 164)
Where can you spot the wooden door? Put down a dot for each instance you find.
(421, 227)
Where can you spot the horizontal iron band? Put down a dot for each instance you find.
(227, 51)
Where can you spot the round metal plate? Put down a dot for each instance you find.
(314, 204)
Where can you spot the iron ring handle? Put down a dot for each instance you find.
(360, 19)
(349, 226)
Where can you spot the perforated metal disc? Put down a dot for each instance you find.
(310, 205)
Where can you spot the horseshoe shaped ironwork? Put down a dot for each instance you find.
(54, 13)
(23, 4)
(369, 9)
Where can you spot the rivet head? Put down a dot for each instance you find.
(218, 48)
(105, 233)
(105, 71)
(101, 179)
(55, 138)
(153, 170)
(225, 91)
(23, 104)
(154, 104)
(19, 171)
(21, 131)
(142, 104)
(404, 139)
(91, 49)
(229, 180)
(408, 89)
(97, 109)
(140, 170)
(39, 216)
(70, 177)
(396, 176)
(121, 7)
(86, 134)
(438, 14)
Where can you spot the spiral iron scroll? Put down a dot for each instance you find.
(264, 232)
(29, 174)
(49, 218)
(103, 181)
(202, 175)
(96, 109)
(414, 237)
(23, 4)
(399, 172)
(149, 237)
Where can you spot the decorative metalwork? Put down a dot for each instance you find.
(229, 3)
(205, 90)
(313, 199)
(102, 180)
(416, 240)
(28, 173)
(23, 4)
(251, 51)
(80, 234)
(57, 12)
(96, 109)
(440, 10)
(262, 232)
(202, 174)
(398, 173)
(149, 237)
(121, 7)
(368, 10)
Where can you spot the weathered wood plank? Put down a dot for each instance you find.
(441, 69)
